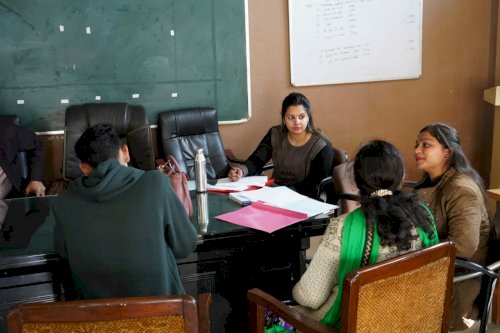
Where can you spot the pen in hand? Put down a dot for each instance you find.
(235, 174)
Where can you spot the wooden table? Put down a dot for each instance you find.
(229, 259)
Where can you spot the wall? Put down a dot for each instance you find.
(456, 69)
(458, 64)
(495, 163)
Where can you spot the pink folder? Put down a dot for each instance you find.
(263, 217)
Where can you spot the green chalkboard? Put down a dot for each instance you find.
(162, 54)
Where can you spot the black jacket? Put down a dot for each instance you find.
(14, 139)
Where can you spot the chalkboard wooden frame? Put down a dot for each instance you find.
(334, 42)
(161, 54)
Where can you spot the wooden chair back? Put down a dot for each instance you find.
(407, 293)
(175, 314)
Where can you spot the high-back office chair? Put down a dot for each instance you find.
(183, 131)
(33, 278)
(416, 289)
(21, 158)
(153, 314)
(346, 191)
(326, 188)
(129, 121)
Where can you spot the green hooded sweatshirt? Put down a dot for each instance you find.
(121, 230)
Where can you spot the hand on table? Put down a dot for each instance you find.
(36, 188)
(235, 174)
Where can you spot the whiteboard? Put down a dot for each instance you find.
(345, 41)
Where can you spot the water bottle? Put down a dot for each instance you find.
(202, 204)
(200, 170)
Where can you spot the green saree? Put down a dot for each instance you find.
(353, 241)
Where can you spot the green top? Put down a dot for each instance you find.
(121, 229)
(353, 240)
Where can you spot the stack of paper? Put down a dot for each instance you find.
(226, 185)
(273, 208)
(283, 197)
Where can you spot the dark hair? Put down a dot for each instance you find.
(448, 137)
(295, 99)
(97, 144)
(378, 165)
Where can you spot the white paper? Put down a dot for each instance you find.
(283, 197)
(225, 184)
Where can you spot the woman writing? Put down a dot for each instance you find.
(455, 193)
(397, 222)
(302, 156)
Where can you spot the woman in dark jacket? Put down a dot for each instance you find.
(301, 155)
(455, 193)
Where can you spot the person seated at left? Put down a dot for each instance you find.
(120, 228)
(14, 139)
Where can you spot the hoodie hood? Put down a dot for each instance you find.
(107, 181)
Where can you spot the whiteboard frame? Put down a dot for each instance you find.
(316, 73)
(249, 91)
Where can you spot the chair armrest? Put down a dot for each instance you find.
(268, 166)
(259, 301)
(203, 303)
(478, 270)
(324, 182)
(325, 189)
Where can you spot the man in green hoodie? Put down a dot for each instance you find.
(120, 228)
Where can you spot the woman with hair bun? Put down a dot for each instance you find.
(388, 223)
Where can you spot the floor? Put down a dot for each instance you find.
(492, 328)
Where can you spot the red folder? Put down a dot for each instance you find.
(263, 217)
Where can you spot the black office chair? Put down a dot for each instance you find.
(346, 191)
(489, 277)
(326, 189)
(183, 131)
(21, 159)
(129, 121)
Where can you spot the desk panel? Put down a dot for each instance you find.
(229, 259)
